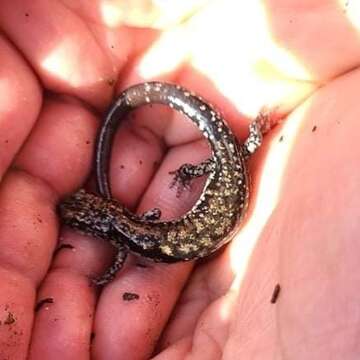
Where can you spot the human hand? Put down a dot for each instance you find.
(302, 225)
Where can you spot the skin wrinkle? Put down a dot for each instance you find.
(46, 184)
(216, 349)
(139, 132)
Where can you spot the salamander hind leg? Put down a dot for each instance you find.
(186, 172)
(117, 265)
(257, 128)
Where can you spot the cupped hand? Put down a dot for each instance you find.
(62, 62)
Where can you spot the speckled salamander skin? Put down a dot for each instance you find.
(211, 221)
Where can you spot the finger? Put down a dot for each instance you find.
(19, 105)
(29, 225)
(65, 307)
(136, 153)
(75, 56)
(28, 234)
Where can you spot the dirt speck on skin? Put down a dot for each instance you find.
(314, 128)
(127, 296)
(275, 294)
(10, 319)
(12, 334)
(281, 139)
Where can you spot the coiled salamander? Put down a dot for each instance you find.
(212, 220)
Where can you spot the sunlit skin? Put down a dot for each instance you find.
(61, 64)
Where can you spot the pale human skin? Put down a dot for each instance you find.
(302, 229)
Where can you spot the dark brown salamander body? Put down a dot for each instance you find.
(211, 221)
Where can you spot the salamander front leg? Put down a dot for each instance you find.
(186, 172)
(111, 272)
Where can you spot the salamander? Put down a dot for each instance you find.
(212, 220)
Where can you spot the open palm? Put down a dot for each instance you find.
(61, 65)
